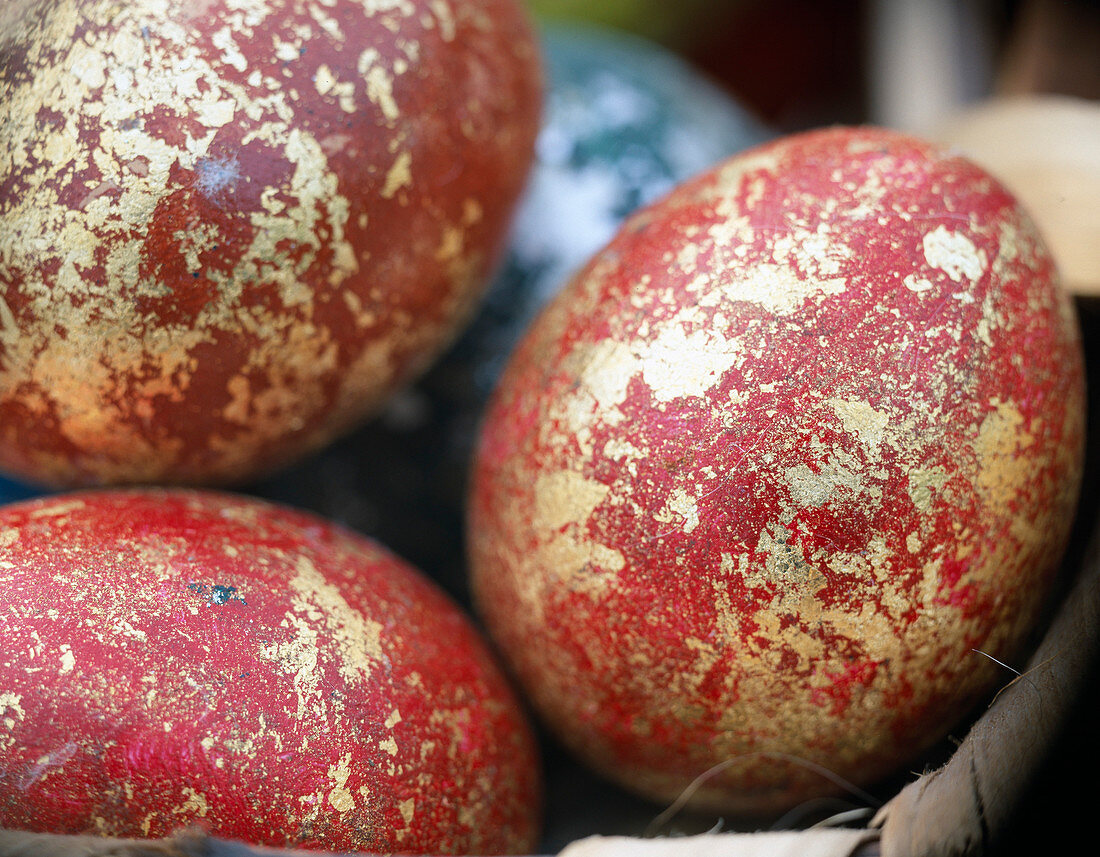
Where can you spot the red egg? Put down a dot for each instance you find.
(230, 228)
(176, 658)
(763, 494)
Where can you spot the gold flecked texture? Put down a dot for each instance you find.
(178, 658)
(754, 492)
(229, 229)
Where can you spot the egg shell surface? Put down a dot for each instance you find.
(229, 229)
(771, 483)
(176, 658)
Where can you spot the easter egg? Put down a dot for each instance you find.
(175, 658)
(230, 229)
(765, 492)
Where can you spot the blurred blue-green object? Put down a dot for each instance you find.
(12, 491)
(625, 120)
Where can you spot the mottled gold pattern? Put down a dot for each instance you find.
(177, 658)
(229, 230)
(806, 435)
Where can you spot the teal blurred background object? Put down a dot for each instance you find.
(12, 491)
(625, 120)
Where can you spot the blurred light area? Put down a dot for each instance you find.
(927, 60)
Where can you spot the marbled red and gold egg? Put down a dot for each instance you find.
(230, 228)
(767, 488)
(176, 658)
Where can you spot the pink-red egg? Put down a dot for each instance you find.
(229, 229)
(763, 494)
(176, 659)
